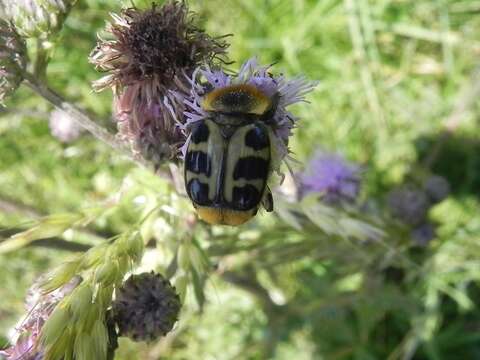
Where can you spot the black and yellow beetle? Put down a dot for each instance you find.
(227, 163)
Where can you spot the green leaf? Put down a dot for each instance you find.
(198, 289)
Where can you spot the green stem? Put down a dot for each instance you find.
(41, 61)
(81, 117)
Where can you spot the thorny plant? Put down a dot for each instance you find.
(159, 64)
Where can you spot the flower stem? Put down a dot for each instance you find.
(80, 116)
(41, 61)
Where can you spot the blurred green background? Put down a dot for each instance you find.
(394, 75)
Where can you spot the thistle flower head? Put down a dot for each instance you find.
(149, 60)
(408, 204)
(38, 18)
(63, 127)
(39, 307)
(283, 91)
(12, 59)
(160, 43)
(423, 234)
(437, 188)
(334, 177)
(146, 307)
(151, 128)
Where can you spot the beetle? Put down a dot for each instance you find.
(228, 158)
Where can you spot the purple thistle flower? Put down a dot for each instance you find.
(149, 61)
(287, 91)
(63, 126)
(39, 307)
(152, 129)
(334, 177)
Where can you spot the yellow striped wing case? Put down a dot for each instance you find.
(226, 174)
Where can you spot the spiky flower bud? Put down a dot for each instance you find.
(437, 188)
(63, 127)
(332, 176)
(149, 61)
(409, 205)
(146, 307)
(38, 18)
(12, 59)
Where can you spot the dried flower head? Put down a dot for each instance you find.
(408, 204)
(334, 177)
(12, 59)
(63, 126)
(146, 307)
(284, 92)
(437, 188)
(39, 306)
(149, 61)
(38, 18)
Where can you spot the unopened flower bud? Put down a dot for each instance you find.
(12, 59)
(146, 307)
(38, 18)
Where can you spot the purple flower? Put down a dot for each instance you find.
(288, 92)
(152, 129)
(39, 307)
(153, 54)
(331, 175)
(63, 126)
